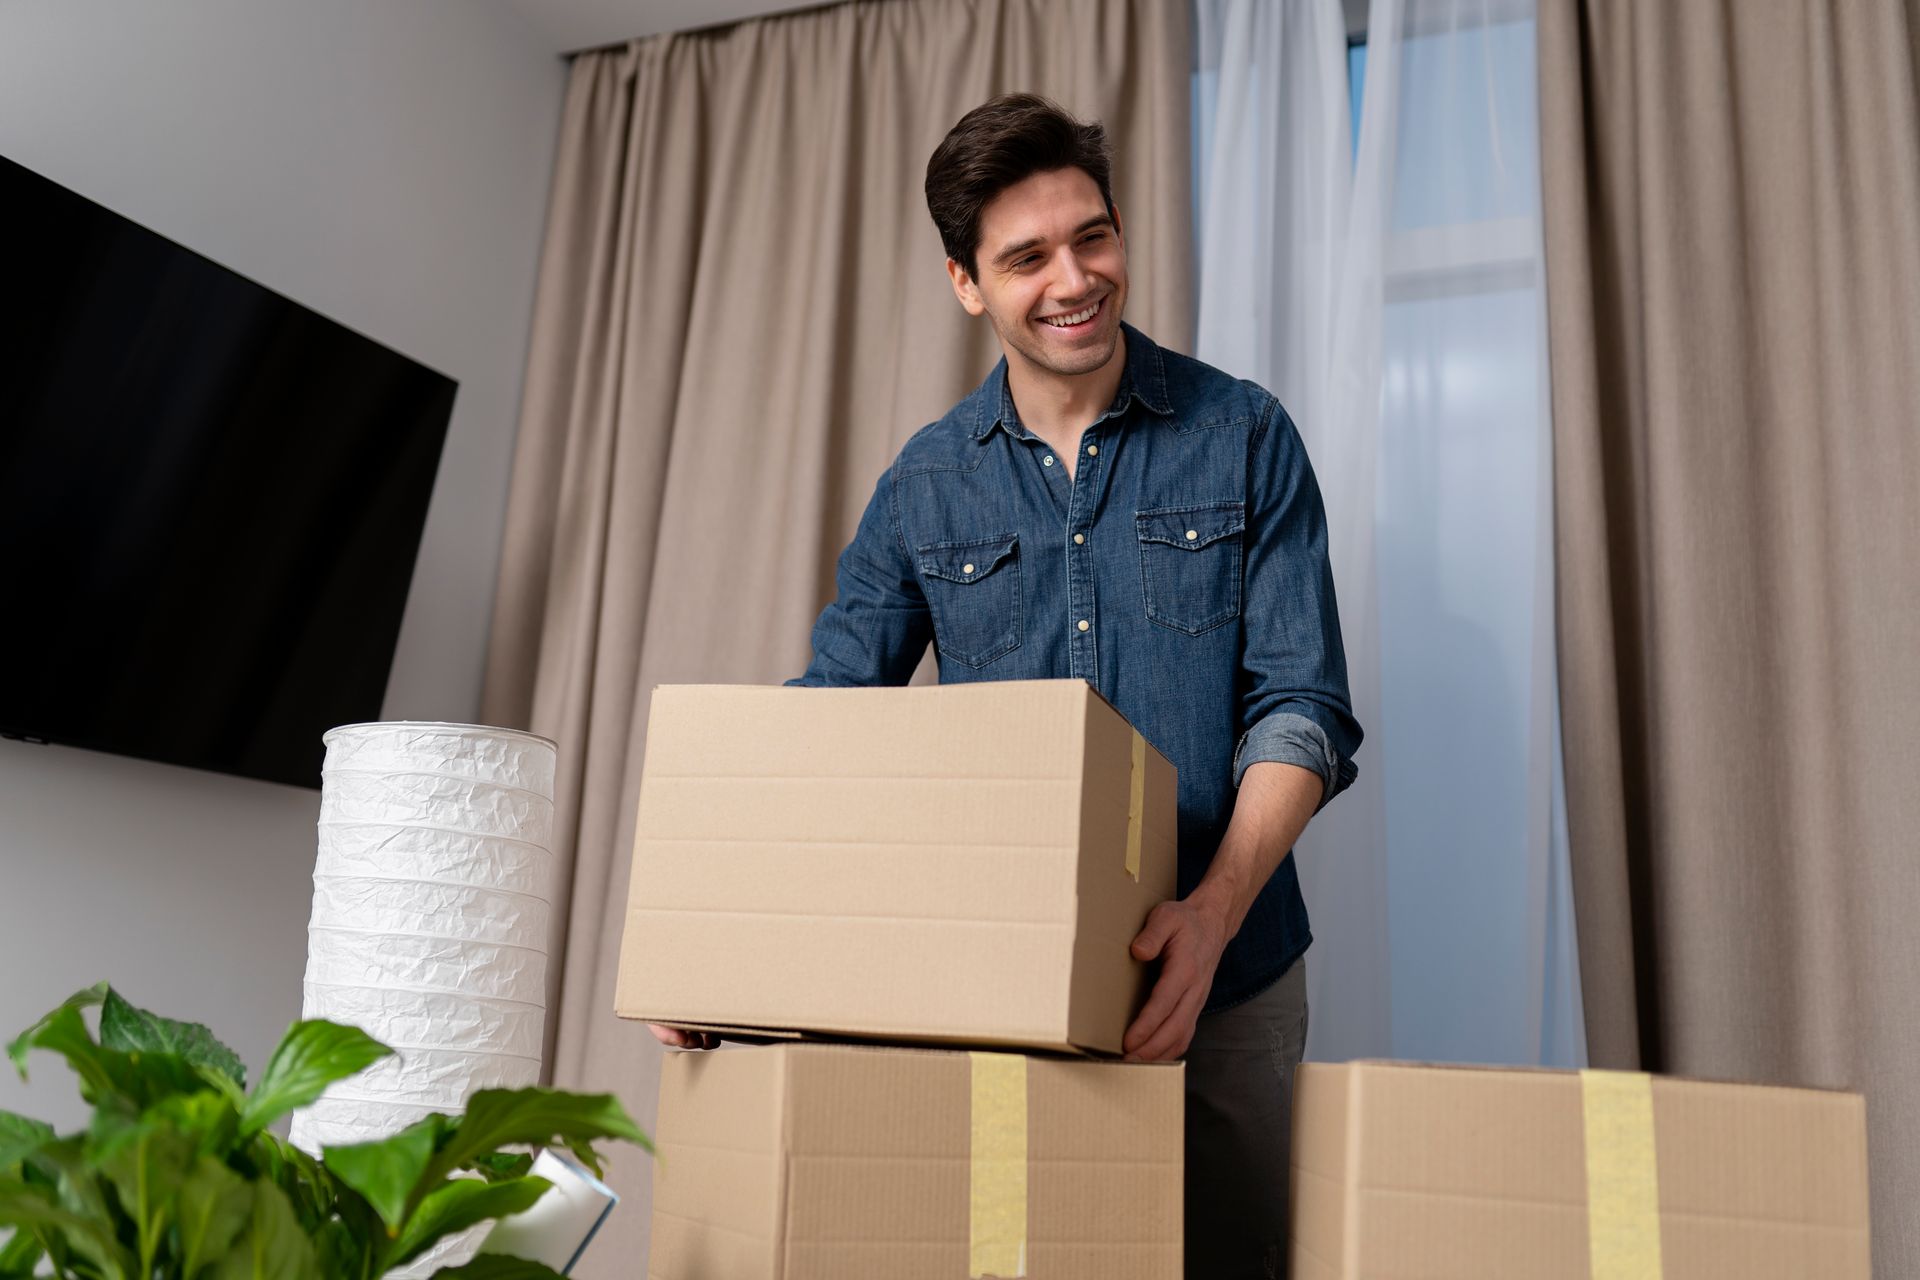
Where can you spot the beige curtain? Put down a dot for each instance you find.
(742, 314)
(1732, 201)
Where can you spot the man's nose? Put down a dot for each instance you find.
(1070, 281)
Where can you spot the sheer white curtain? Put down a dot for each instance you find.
(1390, 295)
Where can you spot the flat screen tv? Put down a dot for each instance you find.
(211, 498)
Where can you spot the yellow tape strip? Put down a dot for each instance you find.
(997, 1239)
(1136, 804)
(1623, 1180)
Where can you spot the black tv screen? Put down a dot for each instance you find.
(211, 499)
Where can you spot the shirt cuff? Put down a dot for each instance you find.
(1288, 738)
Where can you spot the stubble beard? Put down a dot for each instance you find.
(1041, 357)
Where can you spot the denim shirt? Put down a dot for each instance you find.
(1182, 572)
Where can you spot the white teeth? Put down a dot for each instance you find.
(1078, 317)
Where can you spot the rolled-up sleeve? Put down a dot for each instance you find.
(1296, 708)
(877, 627)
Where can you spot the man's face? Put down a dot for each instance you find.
(1049, 253)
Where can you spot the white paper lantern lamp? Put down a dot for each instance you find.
(430, 911)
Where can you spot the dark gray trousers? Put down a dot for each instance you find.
(1239, 1122)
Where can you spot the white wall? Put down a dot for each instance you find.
(386, 164)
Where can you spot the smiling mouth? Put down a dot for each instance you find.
(1075, 321)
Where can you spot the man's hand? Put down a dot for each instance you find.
(1186, 936)
(675, 1038)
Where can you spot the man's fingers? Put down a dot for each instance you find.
(1173, 1035)
(1166, 997)
(675, 1038)
(1154, 934)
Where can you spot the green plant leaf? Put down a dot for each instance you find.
(460, 1204)
(498, 1266)
(20, 1256)
(583, 1152)
(20, 1135)
(311, 1056)
(208, 1118)
(65, 1032)
(498, 1118)
(135, 1031)
(18, 1046)
(387, 1171)
(145, 1160)
(308, 1187)
(271, 1245)
(341, 1250)
(61, 1168)
(501, 1165)
(108, 1077)
(90, 1235)
(213, 1205)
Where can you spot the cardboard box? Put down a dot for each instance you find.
(1451, 1173)
(963, 865)
(810, 1161)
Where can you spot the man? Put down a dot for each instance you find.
(1103, 509)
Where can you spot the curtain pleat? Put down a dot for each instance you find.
(1733, 255)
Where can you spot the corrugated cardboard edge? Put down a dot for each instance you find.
(1657, 1077)
(1100, 1008)
(623, 964)
(784, 1177)
(1350, 1189)
(931, 1041)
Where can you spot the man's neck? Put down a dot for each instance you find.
(1058, 407)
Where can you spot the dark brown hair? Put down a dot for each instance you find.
(996, 145)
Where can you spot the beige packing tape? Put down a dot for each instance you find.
(1136, 804)
(1623, 1176)
(997, 1235)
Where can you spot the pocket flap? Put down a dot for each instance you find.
(966, 561)
(1192, 527)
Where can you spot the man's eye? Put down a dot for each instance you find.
(1028, 261)
(1093, 236)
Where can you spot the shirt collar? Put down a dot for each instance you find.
(1144, 378)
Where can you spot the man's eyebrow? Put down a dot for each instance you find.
(1013, 251)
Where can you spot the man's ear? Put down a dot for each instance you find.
(965, 289)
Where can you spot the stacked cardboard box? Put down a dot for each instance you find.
(1460, 1173)
(959, 866)
(966, 867)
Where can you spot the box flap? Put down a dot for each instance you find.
(1129, 813)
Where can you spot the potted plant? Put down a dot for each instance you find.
(177, 1176)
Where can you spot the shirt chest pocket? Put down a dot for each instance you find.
(973, 591)
(1190, 564)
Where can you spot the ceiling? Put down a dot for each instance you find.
(571, 25)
